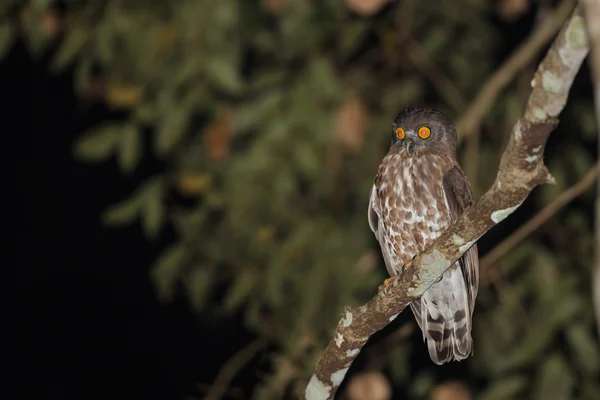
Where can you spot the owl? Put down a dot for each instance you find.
(419, 190)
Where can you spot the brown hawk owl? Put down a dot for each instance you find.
(418, 192)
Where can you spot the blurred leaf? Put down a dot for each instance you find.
(553, 381)
(123, 96)
(584, 347)
(399, 357)
(70, 47)
(267, 78)
(199, 283)
(323, 79)
(127, 210)
(144, 113)
(223, 72)
(171, 128)
(256, 111)
(6, 37)
(581, 159)
(124, 212)
(307, 160)
(166, 270)
(153, 215)
(351, 121)
(422, 384)
(216, 138)
(506, 388)
(130, 150)
(240, 290)
(194, 183)
(587, 119)
(98, 144)
(6, 6)
(352, 37)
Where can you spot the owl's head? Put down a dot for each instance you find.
(418, 131)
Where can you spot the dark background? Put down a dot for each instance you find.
(87, 323)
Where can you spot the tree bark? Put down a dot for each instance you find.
(521, 169)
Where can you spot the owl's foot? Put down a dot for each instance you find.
(407, 266)
(385, 285)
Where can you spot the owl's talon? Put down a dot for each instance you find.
(406, 266)
(385, 285)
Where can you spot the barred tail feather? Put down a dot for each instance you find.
(443, 314)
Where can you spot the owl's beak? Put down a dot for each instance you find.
(410, 145)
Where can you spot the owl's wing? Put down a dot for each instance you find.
(373, 216)
(459, 196)
(449, 339)
(378, 229)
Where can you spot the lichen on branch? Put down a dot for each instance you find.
(521, 170)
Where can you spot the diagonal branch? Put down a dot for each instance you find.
(540, 218)
(591, 9)
(469, 123)
(521, 169)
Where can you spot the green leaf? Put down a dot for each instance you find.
(130, 150)
(98, 144)
(399, 362)
(268, 77)
(171, 128)
(198, 284)
(70, 48)
(240, 290)
(252, 113)
(353, 36)
(223, 72)
(584, 348)
(323, 78)
(153, 215)
(422, 384)
(7, 36)
(124, 212)
(507, 388)
(127, 210)
(166, 270)
(554, 381)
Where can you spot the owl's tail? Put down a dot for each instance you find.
(444, 316)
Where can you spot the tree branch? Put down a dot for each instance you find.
(521, 169)
(540, 218)
(469, 123)
(591, 9)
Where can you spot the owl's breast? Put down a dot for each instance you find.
(412, 204)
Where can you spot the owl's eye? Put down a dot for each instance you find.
(424, 132)
(400, 133)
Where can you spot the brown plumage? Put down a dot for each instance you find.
(418, 191)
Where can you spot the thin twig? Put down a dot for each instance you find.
(539, 219)
(452, 96)
(471, 119)
(591, 11)
(232, 367)
(521, 169)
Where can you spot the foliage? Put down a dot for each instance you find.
(273, 117)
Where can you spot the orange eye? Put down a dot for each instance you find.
(400, 133)
(424, 132)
